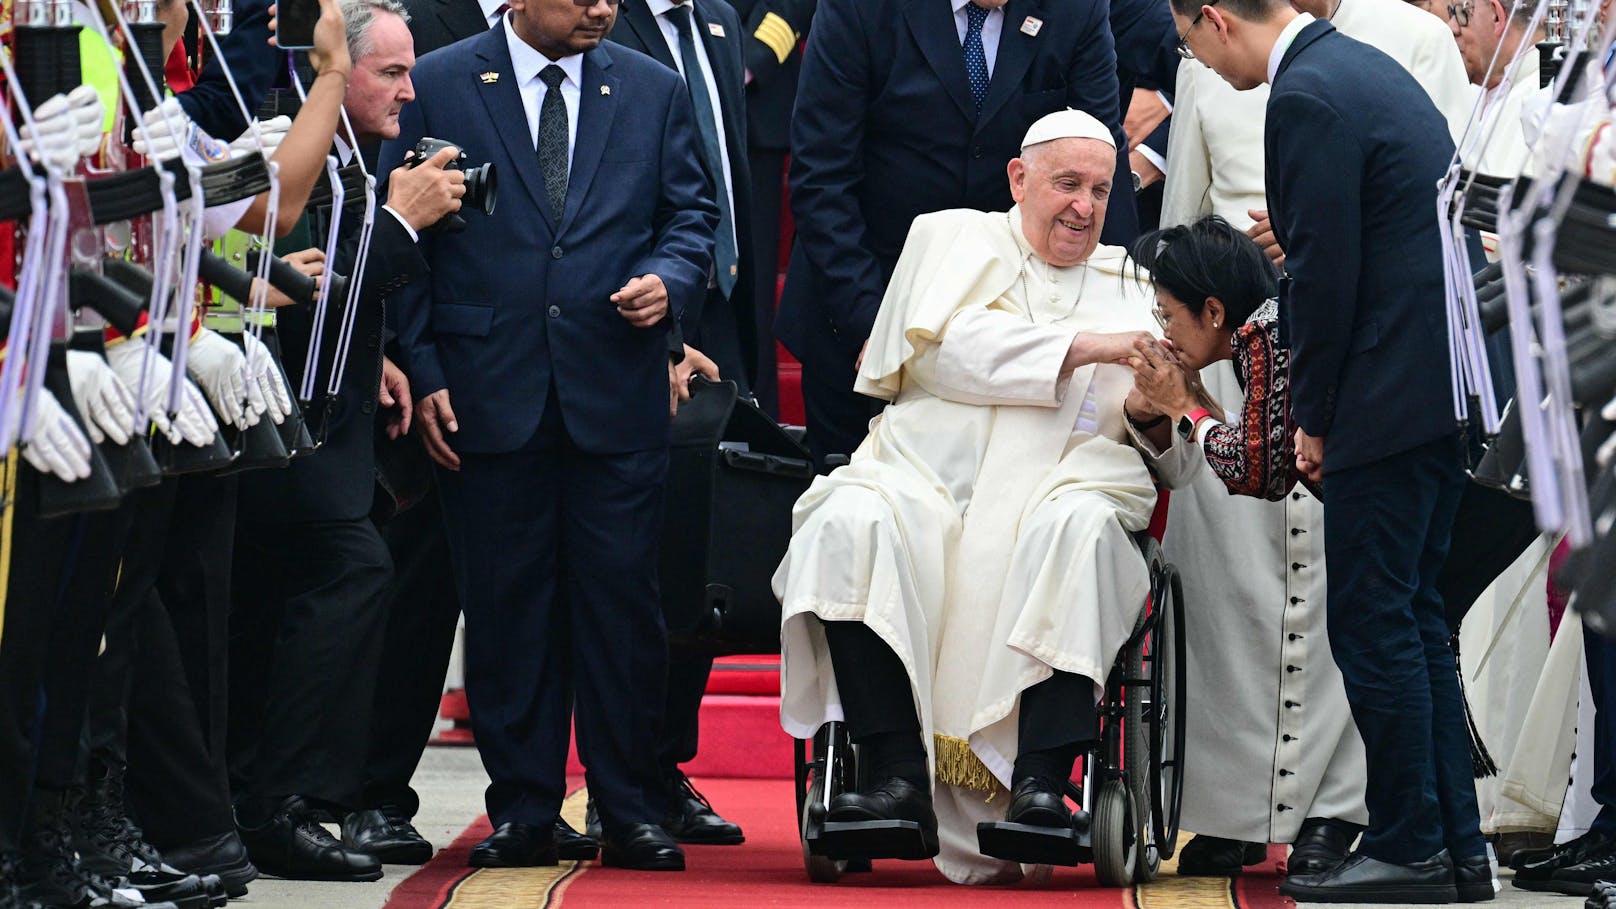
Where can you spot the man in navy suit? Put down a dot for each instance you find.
(1354, 149)
(906, 107)
(539, 353)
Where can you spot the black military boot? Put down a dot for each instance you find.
(111, 845)
(10, 894)
(50, 872)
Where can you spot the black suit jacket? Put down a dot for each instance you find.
(637, 28)
(439, 23)
(885, 130)
(773, 56)
(1354, 151)
(1146, 45)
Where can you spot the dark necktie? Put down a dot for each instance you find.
(553, 139)
(976, 59)
(724, 255)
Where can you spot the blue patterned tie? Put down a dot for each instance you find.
(554, 137)
(976, 60)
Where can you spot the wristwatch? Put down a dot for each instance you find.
(1187, 423)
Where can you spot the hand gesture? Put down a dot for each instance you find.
(1158, 376)
(643, 301)
(425, 193)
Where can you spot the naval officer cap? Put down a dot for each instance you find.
(1067, 124)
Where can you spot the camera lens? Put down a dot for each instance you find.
(482, 189)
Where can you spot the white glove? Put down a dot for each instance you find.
(194, 423)
(88, 116)
(56, 445)
(271, 131)
(165, 133)
(276, 398)
(220, 368)
(103, 400)
(53, 138)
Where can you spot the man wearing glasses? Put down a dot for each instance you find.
(1490, 38)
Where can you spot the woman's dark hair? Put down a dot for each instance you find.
(1208, 258)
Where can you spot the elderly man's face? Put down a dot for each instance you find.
(381, 86)
(1062, 187)
(561, 28)
(1478, 26)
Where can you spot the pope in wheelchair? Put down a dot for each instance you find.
(956, 596)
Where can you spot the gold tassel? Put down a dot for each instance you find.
(958, 765)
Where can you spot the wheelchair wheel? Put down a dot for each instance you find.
(1115, 834)
(1167, 709)
(1137, 754)
(828, 772)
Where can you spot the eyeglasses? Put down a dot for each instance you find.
(1460, 12)
(1183, 47)
(1161, 315)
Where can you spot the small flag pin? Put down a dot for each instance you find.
(717, 29)
(1031, 25)
(489, 78)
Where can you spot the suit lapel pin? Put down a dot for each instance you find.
(605, 89)
(489, 78)
(715, 29)
(1031, 25)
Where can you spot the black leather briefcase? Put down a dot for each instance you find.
(733, 477)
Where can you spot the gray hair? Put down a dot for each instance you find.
(357, 15)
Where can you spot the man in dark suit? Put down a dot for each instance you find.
(773, 58)
(670, 32)
(539, 351)
(310, 568)
(907, 107)
(1354, 149)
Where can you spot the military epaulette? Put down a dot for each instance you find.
(775, 32)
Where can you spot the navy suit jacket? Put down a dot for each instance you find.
(517, 302)
(1355, 149)
(886, 130)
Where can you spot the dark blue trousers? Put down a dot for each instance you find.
(1387, 526)
(1600, 652)
(555, 553)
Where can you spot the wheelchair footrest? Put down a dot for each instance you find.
(874, 840)
(1033, 845)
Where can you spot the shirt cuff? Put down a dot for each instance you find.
(1153, 156)
(1165, 100)
(414, 237)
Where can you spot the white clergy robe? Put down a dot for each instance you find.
(1271, 738)
(982, 529)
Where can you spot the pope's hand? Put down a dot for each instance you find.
(1158, 376)
(1103, 347)
(266, 375)
(643, 301)
(147, 372)
(435, 420)
(103, 400)
(220, 369)
(56, 445)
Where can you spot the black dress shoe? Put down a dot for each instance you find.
(1361, 879)
(1213, 856)
(387, 834)
(1038, 802)
(1473, 879)
(221, 854)
(514, 845)
(642, 847)
(1322, 844)
(290, 844)
(895, 799)
(592, 828)
(1579, 879)
(572, 845)
(1536, 874)
(691, 818)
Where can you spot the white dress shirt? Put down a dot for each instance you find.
(1286, 38)
(491, 10)
(670, 34)
(992, 28)
(526, 64)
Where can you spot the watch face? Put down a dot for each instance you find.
(1137, 181)
(1186, 426)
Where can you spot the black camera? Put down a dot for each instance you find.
(482, 189)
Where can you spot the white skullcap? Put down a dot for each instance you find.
(1067, 124)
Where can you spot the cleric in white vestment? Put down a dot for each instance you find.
(959, 591)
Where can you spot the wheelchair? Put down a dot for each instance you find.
(1132, 782)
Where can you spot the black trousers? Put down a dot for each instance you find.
(555, 557)
(681, 724)
(1387, 530)
(768, 188)
(838, 416)
(1490, 532)
(421, 610)
(305, 643)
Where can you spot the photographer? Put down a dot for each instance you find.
(310, 568)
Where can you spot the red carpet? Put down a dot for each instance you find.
(767, 871)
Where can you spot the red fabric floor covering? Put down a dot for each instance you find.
(767, 871)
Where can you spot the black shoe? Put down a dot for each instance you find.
(1579, 879)
(592, 827)
(291, 844)
(1038, 827)
(1039, 802)
(223, 855)
(1322, 844)
(572, 845)
(387, 834)
(1212, 856)
(514, 845)
(894, 799)
(1361, 879)
(50, 873)
(1534, 874)
(642, 847)
(111, 845)
(1473, 879)
(691, 818)
(893, 820)
(10, 895)
(1603, 897)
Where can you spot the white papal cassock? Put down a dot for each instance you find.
(982, 528)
